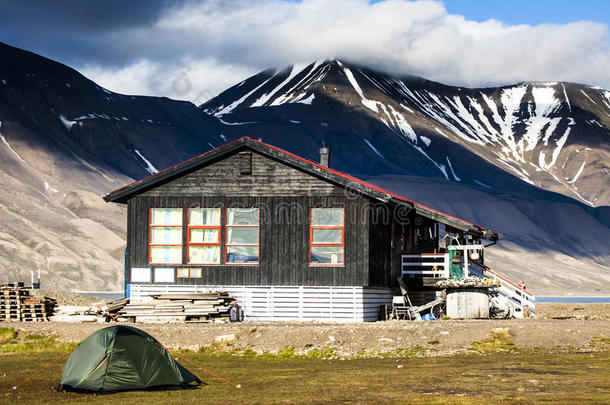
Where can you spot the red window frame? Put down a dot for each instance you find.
(150, 226)
(188, 236)
(227, 226)
(312, 244)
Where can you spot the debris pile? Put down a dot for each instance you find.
(16, 304)
(199, 307)
(467, 282)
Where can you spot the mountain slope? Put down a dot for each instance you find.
(552, 135)
(64, 142)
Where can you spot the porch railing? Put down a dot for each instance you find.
(521, 299)
(426, 264)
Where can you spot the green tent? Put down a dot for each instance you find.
(122, 358)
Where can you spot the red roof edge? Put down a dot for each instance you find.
(362, 182)
(328, 169)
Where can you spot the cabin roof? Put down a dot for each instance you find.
(123, 194)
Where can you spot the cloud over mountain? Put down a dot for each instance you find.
(193, 49)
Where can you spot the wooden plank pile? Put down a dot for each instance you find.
(197, 307)
(16, 304)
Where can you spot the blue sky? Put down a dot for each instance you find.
(531, 12)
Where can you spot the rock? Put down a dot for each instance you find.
(399, 366)
(500, 331)
(444, 332)
(225, 338)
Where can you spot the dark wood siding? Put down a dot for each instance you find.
(268, 178)
(285, 196)
(284, 241)
(380, 265)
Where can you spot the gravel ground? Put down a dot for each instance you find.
(572, 311)
(438, 337)
(557, 325)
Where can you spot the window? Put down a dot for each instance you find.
(326, 236)
(242, 241)
(140, 275)
(164, 275)
(204, 236)
(165, 236)
(188, 273)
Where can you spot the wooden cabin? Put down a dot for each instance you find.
(289, 238)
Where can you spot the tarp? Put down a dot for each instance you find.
(122, 358)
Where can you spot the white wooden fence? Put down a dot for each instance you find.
(426, 264)
(289, 303)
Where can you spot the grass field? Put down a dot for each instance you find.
(492, 372)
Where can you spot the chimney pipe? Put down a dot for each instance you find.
(325, 155)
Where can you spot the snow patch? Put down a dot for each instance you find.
(373, 148)
(370, 104)
(407, 108)
(480, 183)
(426, 140)
(578, 173)
(234, 104)
(545, 100)
(68, 85)
(67, 123)
(401, 123)
(440, 132)
(451, 168)
(566, 96)
(47, 187)
(149, 166)
(308, 77)
(555, 154)
(440, 167)
(594, 122)
(295, 121)
(587, 96)
(224, 138)
(294, 70)
(308, 100)
(235, 123)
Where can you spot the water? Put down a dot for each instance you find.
(106, 295)
(575, 300)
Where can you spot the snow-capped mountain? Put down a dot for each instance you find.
(65, 141)
(551, 135)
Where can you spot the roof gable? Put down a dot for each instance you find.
(344, 180)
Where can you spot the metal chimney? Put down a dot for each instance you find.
(325, 155)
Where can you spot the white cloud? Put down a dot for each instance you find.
(218, 43)
(193, 80)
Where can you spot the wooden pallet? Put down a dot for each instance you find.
(18, 284)
(16, 304)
